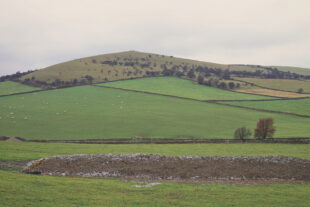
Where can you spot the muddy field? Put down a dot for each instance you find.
(156, 167)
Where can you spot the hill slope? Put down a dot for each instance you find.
(124, 65)
(10, 87)
(90, 112)
(302, 71)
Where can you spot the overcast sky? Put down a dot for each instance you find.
(38, 33)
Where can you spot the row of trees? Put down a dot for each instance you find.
(264, 129)
(210, 76)
(190, 71)
(214, 82)
(15, 76)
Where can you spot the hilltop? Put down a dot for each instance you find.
(133, 64)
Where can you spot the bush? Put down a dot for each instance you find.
(242, 133)
(231, 85)
(200, 79)
(300, 90)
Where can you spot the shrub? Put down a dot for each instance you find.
(300, 90)
(231, 85)
(242, 133)
(200, 79)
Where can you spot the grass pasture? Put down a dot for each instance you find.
(180, 87)
(92, 112)
(24, 151)
(299, 106)
(31, 190)
(10, 87)
(280, 84)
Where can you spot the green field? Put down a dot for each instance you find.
(21, 151)
(180, 87)
(280, 84)
(92, 112)
(10, 87)
(301, 106)
(31, 190)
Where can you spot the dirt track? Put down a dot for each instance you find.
(155, 167)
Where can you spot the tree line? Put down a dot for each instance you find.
(144, 67)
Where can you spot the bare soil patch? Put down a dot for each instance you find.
(12, 164)
(12, 139)
(184, 168)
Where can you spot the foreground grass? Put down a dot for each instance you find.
(93, 112)
(180, 87)
(30, 190)
(21, 151)
(10, 87)
(301, 106)
(280, 84)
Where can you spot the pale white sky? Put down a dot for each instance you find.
(39, 33)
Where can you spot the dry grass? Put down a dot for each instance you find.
(77, 69)
(269, 92)
(279, 84)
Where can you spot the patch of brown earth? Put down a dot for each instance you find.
(12, 164)
(156, 167)
(14, 139)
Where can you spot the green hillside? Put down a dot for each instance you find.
(10, 87)
(298, 70)
(117, 66)
(94, 112)
(179, 87)
(301, 106)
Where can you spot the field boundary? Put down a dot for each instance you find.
(215, 101)
(21, 93)
(265, 110)
(188, 79)
(176, 141)
(271, 88)
(193, 99)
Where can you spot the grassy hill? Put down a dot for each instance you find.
(179, 87)
(302, 71)
(10, 87)
(123, 65)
